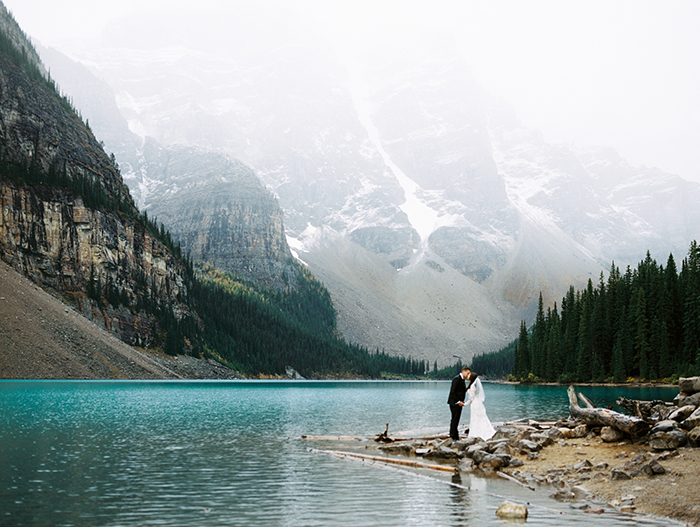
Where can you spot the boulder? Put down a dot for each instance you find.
(689, 385)
(465, 443)
(682, 413)
(694, 437)
(511, 510)
(664, 426)
(683, 400)
(492, 462)
(611, 435)
(668, 440)
(494, 445)
(560, 433)
(692, 421)
(442, 452)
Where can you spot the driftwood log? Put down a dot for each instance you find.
(629, 424)
(642, 409)
(384, 436)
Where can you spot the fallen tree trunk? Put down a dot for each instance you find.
(642, 409)
(387, 460)
(628, 424)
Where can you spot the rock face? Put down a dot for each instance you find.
(212, 204)
(219, 212)
(50, 234)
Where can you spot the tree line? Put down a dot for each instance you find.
(642, 324)
(250, 328)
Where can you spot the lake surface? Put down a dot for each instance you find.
(211, 453)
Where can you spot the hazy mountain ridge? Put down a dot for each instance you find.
(214, 205)
(399, 177)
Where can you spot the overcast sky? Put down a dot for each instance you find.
(623, 73)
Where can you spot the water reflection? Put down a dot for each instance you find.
(461, 500)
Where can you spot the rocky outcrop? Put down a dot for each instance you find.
(52, 165)
(220, 213)
(59, 243)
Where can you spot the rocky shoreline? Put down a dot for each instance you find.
(586, 464)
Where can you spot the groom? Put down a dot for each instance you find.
(458, 391)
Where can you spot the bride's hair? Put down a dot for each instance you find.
(472, 376)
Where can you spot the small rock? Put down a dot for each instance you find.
(528, 445)
(479, 456)
(467, 465)
(477, 447)
(620, 475)
(579, 506)
(656, 468)
(508, 509)
(610, 434)
(563, 494)
(580, 431)
(580, 492)
(585, 464)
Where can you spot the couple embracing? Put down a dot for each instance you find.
(479, 424)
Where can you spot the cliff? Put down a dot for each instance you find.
(219, 212)
(67, 219)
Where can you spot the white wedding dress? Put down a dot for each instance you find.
(479, 424)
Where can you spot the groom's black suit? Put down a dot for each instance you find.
(458, 391)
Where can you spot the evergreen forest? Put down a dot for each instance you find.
(255, 331)
(643, 324)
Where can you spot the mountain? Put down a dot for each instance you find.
(214, 205)
(432, 215)
(68, 220)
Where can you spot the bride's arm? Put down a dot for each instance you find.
(470, 393)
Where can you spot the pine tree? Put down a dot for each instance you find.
(641, 343)
(521, 366)
(691, 304)
(583, 353)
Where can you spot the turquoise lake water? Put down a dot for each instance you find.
(205, 453)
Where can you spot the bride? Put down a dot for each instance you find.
(479, 424)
